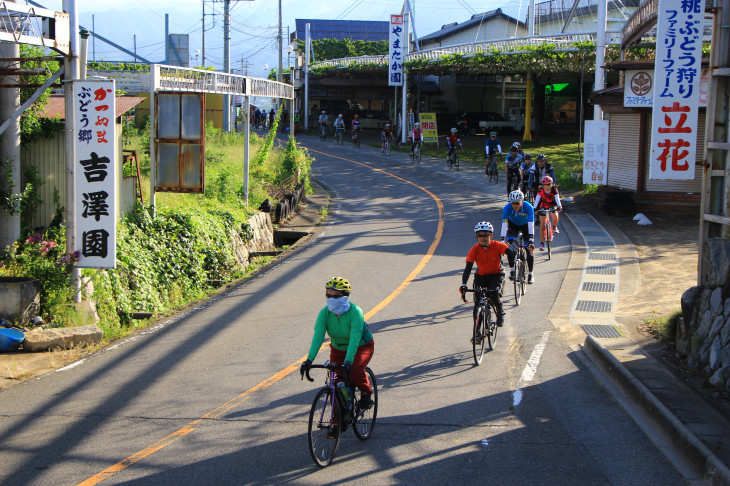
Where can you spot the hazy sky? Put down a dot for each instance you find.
(253, 23)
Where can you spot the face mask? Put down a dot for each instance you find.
(338, 306)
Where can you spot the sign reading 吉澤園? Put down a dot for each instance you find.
(95, 173)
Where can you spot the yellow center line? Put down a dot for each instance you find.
(218, 411)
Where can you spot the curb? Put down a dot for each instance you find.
(701, 458)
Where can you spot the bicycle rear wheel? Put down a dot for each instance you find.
(364, 421)
(491, 326)
(322, 425)
(478, 335)
(516, 281)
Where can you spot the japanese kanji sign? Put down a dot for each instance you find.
(595, 152)
(95, 173)
(429, 127)
(676, 89)
(396, 51)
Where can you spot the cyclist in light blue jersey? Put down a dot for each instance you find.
(519, 216)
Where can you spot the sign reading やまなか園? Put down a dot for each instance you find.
(95, 173)
(396, 51)
(676, 89)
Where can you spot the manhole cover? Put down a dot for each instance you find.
(601, 270)
(593, 306)
(602, 256)
(601, 331)
(598, 287)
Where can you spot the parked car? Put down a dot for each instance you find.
(471, 123)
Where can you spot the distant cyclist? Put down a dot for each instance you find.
(512, 164)
(542, 169)
(525, 169)
(323, 119)
(386, 134)
(339, 124)
(488, 256)
(451, 141)
(492, 148)
(518, 216)
(416, 136)
(548, 198)
(519, 148)
(356, 128)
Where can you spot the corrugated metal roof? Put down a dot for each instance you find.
(56, 106)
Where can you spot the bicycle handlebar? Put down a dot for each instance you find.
(328, 366)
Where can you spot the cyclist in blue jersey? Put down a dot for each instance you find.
(512, 164)
(492, 148)
(519, 216)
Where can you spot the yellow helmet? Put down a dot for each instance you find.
(339, 283)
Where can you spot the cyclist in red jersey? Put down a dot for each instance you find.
(547, 198)
(356, 128)
(451, 141)
(488, 256)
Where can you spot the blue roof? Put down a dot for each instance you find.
(365, 30)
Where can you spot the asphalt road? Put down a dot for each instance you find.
(213, 396)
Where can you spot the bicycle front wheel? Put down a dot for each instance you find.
(491, 326)
(418, 155)
(324, 433)
(456, 162)
(548, 237)
(523, 276)
(364, 421)
(516, 281)
(478, 335)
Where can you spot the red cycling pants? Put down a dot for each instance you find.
(362, 357)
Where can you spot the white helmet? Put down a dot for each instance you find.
(483, 226)
(516, 196)
(387, 125)
(453, 130)
(339, 116)
(417, 124)
(323, 112)
(518, 145)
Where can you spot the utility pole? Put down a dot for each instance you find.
(278, 73)
(203, 2)
(600, 55)
(226, 61)
(10, 146)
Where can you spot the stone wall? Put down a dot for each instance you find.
(703, 334)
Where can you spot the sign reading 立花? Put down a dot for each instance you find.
(396, 51)
(676, 89)
(95, 173)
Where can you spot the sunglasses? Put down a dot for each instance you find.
(332, 296)
(485, 235)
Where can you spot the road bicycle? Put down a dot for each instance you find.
(338, 136)
(356, 139)
(527, 191)
(322, 133)
(546, 230)
(416, 153)
(492, 170)
(336, 406)
(452, 160)
(485, 322)
(520, 268)
(386, 147)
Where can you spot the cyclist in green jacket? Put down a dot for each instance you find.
(352, 344)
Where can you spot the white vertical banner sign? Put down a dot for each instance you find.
(595, 152)
(95, 169)
(395, 51)
(676, 89)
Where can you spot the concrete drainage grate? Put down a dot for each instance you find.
(600, 234)
(601, 270)
(593, 306)
(602, 256)
(598, 287)
(605, 244)
(602, 331)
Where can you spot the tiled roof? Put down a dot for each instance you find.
(475, 19)
(55, 108)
